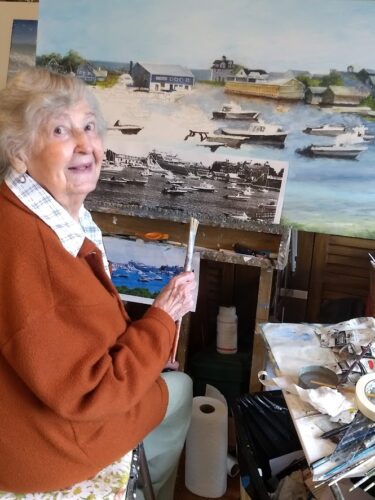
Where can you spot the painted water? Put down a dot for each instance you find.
(325, 195)
(136, 278)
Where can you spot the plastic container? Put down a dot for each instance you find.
(226, 330)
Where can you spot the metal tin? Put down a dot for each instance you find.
(315, 376)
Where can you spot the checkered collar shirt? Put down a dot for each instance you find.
(70, 232)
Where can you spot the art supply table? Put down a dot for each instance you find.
(292, 347)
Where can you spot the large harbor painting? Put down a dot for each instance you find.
(231, 112)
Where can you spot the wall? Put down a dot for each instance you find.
(329, 269)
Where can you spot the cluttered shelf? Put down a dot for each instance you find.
(239, 245)
(262, 247)
(327, 375)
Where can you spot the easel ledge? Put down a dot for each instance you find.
(214, 242)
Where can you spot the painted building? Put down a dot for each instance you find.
(86, 73)
(221, 69)
(343, 96)
(314, 95)
(248, 75)
(284, 88)
(162, 77)
(55, 67)
(101, 74)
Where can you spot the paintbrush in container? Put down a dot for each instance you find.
(187, 267)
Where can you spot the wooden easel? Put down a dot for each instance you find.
(216, 243)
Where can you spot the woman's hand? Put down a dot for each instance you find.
(176, 298)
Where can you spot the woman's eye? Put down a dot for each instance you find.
(58, 130)
(90, 126)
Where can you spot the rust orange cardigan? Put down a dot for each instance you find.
(79, 382)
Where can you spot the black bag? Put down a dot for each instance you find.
(264, 430)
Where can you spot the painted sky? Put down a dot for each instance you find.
(24, 31)
(122, 251)
(275, 35)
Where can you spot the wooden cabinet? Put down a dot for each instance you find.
(328, 268)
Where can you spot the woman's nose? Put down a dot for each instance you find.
(83, 142)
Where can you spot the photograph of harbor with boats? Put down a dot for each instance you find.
(280, 129)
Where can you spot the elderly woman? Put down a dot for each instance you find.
(80, 382)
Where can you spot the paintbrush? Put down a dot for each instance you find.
(187, 267)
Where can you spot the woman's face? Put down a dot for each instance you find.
(67, 157)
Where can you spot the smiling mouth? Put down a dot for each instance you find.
(81, 168)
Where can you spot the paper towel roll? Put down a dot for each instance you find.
(206, 448)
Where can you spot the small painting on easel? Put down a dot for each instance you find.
(141, 269)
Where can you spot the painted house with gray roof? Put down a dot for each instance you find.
(221, 69)
(162, 77)
(343, 96)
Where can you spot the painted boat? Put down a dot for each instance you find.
(258, 132)
(206, 187)
(244, 195)
(326, 129)
(331, 130)
(344, 151)
(126, 129)
(175, 190)
(169, 162)
(233, 111)
(242, 216)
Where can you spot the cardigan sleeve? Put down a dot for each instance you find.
(69, 366)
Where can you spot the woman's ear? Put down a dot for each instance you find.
(18, 163)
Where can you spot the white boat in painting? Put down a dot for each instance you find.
(269, 205)
(205, 186)
(258, 132)
(175, 190)
(356, 135)
(334, 130)
(137, 164)
(126, 129)
(146, 172)
(242, 196)
(329, 129)
(234, 186)
(344, 151)
(233, 111)
(175, 181)
(242, 216)
(192, 176)
(224, 140)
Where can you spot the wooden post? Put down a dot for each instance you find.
(258, 359)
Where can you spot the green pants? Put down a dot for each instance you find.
(164, 444)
